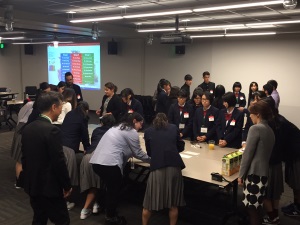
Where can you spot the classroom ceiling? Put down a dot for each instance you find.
(46, 20)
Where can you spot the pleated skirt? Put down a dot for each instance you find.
(16, 152)
(275, 186)
(88, 178)
(164, 189)
(292, 174)
(71, 163)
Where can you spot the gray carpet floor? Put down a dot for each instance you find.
(205, 204)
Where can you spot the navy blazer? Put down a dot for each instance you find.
(241, 100)
(77, 90)
(164, 145)
(114, 106)
(163, 103)
(232, 134)
(136, 106)
(211, 126)
(75, 130)
(96, 137)
(44, 169)
(210, 87)
(175, 118)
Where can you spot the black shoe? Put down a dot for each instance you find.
(117, 220)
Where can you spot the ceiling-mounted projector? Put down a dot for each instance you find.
(289, 4)
(176, 38)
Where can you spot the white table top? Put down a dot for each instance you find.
(16, 102)
(8, 93)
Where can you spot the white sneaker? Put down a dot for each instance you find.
(70, 205)
(96, 208)
(85, 213)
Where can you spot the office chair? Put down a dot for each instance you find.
(31, 91)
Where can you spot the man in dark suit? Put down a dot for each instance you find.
(207, 85)
(46, 178)
(70, 83)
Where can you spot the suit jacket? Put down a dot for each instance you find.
(163, 146)
(175, 118)
(210, 122)
(96, 137)
(78, 93)
(258, 150)
(114, 106)
(232, 131)
(163, 103)
(136, 106)
(186, 88)
(210, 87)
(241, 100)
(44, 168)
(75, 130)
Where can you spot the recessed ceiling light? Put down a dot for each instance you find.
(123, 6)
(71, 12)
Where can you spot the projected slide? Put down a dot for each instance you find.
(81, 59)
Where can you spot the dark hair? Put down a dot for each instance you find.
(127, 123)
(188, 77)
(111, 86)
(197, 93)
(219, 91)
(273, 83)
(268, 88)
(182, 94)
(205, 73)
(263, 109)
(260, 94)
(161, 85)
(250, 94)
(61, 84)
(47, 99)
(53, 87)
(70, 96)
(275, 124)
(174, 92)
(236, 84)
(44, 86)
(82, 108)
(160, 121)
(209, 96)
(126, 92)
(108, 120)
(68, 74)
(198, 90)
(229, 97)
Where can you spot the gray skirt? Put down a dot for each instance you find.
(71, 163)
(164, 189)
(292, 174)
(88, 178)
(275, 182)
(16, 152)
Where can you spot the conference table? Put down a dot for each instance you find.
(10, 95)
(200, 162)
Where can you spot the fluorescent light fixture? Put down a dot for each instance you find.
(215, 27)
(71, 12)
(273, 23)
(156, 30)
(12, 38)
(123, 6)
(96, 19)
(238, 6)
(260, 26)
(38, 43)
(158, 14)
(250, 34)
(207, 36)
(185, 20)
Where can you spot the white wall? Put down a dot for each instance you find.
(141, 67)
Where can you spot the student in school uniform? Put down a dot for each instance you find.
(218, 101)
(187, 84)
(181, 114)
(205, 118)
(111, 102)
(130, 103)
(163, 102)
(230, 123)
(240, 96)
(207, 85)
(253, 87)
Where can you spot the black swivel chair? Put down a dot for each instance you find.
(31, 92)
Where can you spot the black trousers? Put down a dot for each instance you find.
(54, 209)
(112, 177)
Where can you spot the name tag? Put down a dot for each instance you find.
(130, 111)
(211, 118)
(186, 115)
(78, 96)
(237, 105)
(203, 130)
(242, 98)
(181, 126)
(211, 91)
(232, 123)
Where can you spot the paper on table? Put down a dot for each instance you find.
(185, 156)
(192, 153)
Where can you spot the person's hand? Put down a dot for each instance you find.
(222, 143)
(240, 181)
(241, 109)
(244, 145)
(198, 138)
(98, 112)
(202, 138)
(67, 193)
(181, 135)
